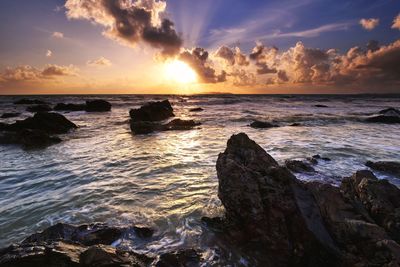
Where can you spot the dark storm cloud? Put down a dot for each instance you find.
(130, 21)
(198, 60)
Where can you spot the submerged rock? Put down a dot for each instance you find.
(262, 125)
(298, 166)
(152, 112)
(390, 112)
(10, 115)
(29, 139)
(146, 127)
(196, 110)
(388, 116)
(39, 108)
(70, 107)
(51, 123)
(285, 222)
(97, 106)
(25, 101)
(385, 166)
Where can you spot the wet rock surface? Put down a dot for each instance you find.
(146, 127)
(10, 115)
(29, 139)
(298, 166)
(262, 125)
(285, 222)
(390, 167)
(97, 106)
(152, 112)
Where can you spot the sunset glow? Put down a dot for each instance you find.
(180, 72)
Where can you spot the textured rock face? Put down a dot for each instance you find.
(97, 106)
(291, 223)
(51, 123)
(153, 111)
(385, 166)
(259, 197)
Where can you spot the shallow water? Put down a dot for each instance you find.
(103, 173)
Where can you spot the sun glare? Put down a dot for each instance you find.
(180, 72)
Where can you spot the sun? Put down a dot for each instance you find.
(180, 72)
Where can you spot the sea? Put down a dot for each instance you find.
(101, 172)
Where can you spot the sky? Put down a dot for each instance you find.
(188, 46)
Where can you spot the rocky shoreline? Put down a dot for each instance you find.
(272, 216)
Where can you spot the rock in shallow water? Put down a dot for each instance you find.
(262, 125)
(288, 223)
(390, 167)
(29, 139)
(146, 127)
(153, 111)
(70, 107)
(39, 108)
(97, 106)
(25, 101)
(298, 166)
(388, 116)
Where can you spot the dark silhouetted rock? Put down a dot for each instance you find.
(295, 124)
(153, 111)
(180, 125)
(315, 158)
(384, 119)
(143, 232)
(70, 107)
(10, 115)
(51, 123)
(97, 106)
(196, 110)
(182, 258)
(321, 106)
(262, 125)
(298, 166)
(39, 108)
(385, 166)
(29, 138)
(25, 101)
(390, 112)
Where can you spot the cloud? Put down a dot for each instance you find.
(49, 53)
(59, 35)
(198, 60)
(100, 62)
(396, 22)
(130, 22)
(29, 73)
(232, 56)
(369, 24)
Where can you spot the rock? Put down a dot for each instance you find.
(384, 119)
(262, 125)
(295, 124)
(146, 127)
(285, 222)
(260, 204)
(298, 166)
(51, 123)
(85, 234)
(317, 157)
(196, 110)
(321, 106)
(143, 232)
(390, 112)
(379, 197)
(39, 108)
(29, 139)
(25, 101)
(70, 107)
(153, 111)
(182, 258)
(97, 106)
(390, 167)
(10, 115)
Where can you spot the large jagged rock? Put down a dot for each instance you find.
(153, 111)
(379, 197)
(51, 123)
(260, 199)
(290, 223)
(390, 167)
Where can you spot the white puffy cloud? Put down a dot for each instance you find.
(369, 24)
(59, 35)
(49, 53)
(396, 22)
(100, 62)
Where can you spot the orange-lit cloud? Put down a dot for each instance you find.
(396, 22)
(369, 24)
(100, 62)
(59, 35)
